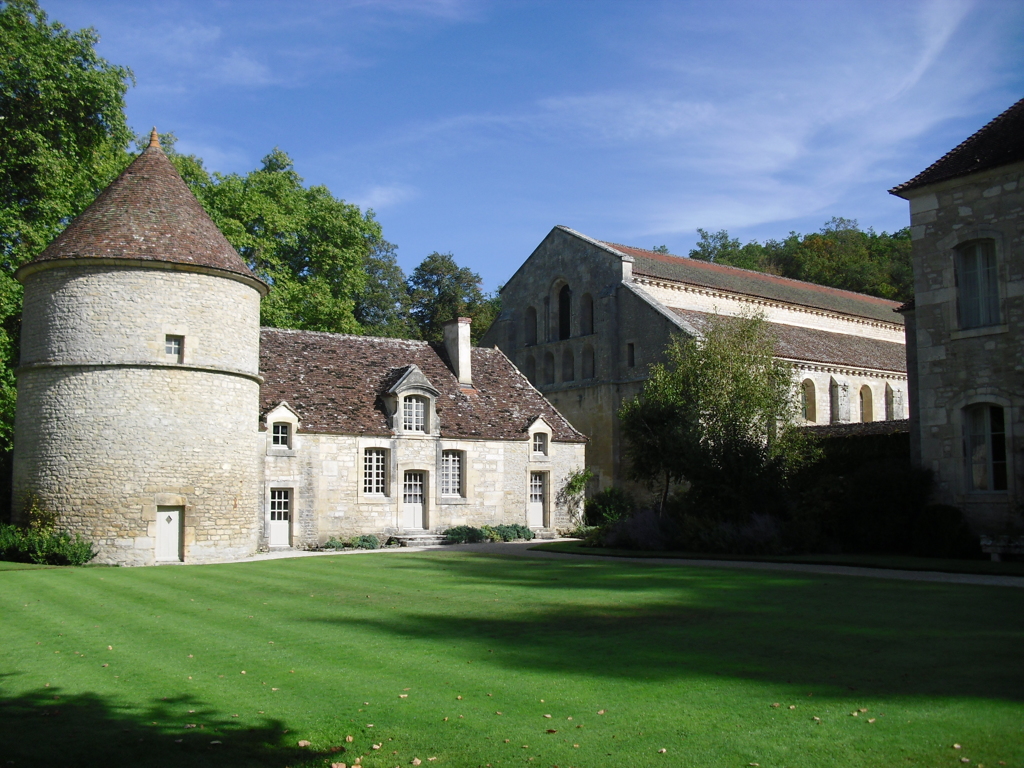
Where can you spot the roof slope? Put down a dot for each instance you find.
(1000, 142)
(147, 213)
(760, 284)
(335, 383)
(816, 346)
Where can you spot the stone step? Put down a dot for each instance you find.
(419, 539)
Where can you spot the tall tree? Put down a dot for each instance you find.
(442, 290)
(717, 414)
(63, 137)
(384, 306)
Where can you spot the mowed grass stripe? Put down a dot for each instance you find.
(684, 659)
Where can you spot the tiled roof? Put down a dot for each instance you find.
(1000, 142)
(147, 213)
(760, 284)
(815, 346)
(335, 383)
(860, 428)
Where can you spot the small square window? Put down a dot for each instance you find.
(174, 346)
(540, 443)
(282, 434)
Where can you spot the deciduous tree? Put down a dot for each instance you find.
(442, 290)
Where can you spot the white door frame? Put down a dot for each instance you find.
(169, 534)
(414, 499)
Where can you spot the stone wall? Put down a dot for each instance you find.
(958, 367)
(325, 474)
(109, 427)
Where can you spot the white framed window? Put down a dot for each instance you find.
(282, 435)
(451, 473)
(985, 447)
(174, 346)
(280, 505)
(977, 284)
(414, 414)
(540, 443)
(375, 471)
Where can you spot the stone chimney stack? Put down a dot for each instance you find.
(456, 342)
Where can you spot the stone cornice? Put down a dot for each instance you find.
(138, 364)
(874, 373)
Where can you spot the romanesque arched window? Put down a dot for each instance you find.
(867, 409)
(586, 314)
(530, 326)
(564, 313)
(808, 404)
(890, 402)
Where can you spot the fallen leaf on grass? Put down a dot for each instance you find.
(792, 706)
(956, 746)
(816, 719)
(348, 739)
(552, 730)
(415, 761)
(576, 746)
(216, 742)
(662, 751)
(403, 695)
(304, 742)
(862, 710)
(547, 716)
(497, 713)
(871, 719)
(600, 711)
(459, 698)
(375, 746)
(338, 765)
(776, 705)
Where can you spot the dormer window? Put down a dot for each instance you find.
(282, 435)
(540, 443)
(414, 414)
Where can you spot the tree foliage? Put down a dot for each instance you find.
(384, 305)
(717, 415)
(63, 137)
(442, 290)
(841, 255)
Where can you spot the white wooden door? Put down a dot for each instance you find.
(412, 500)
(168, 534)
(535, 509)
(280, 517)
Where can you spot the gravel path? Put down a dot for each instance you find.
(523, 549)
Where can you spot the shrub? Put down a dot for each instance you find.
(514, 532)
(464, 534)
(609, 505)
(44, 547)
(366, 541)
(333, 543)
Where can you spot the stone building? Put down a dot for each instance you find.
(584, 319)
(158, 420)
(965, 327)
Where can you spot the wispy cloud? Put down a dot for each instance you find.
(385, 196)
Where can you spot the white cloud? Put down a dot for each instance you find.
(385, 196)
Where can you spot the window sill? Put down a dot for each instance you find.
(970, 333)
(280, 452)
(453, 500)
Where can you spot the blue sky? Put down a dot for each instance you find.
(474, 126)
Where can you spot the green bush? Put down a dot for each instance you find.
(44, 546)
(464, 534)
(366, 541)
(609, 505)
(333, 543)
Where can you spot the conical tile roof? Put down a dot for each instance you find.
(147, 214)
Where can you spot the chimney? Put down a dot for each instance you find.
(456, 342)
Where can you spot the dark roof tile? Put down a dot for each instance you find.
(1000, 142)
(335, 384)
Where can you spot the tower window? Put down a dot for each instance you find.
(174, 346)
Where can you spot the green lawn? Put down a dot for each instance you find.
(110, 667)
(899, 562)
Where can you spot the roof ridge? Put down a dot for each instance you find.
(345, 335)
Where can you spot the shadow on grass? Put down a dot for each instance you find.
(663, 623)
(47, 728)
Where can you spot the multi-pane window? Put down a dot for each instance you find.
(282, 435)
(280, 504)
(173, 346)
(540, 443)
(375, 471)
(978, 284)
(985, 444)
(536, 487)
(414, 414)
(451, 473)
(412, 488)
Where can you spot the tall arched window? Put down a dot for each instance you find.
(564, 313)
(867, 410)
(549, 368)
(568, 366)
(808, 406)
(977, 284)
(530, 326)
(890, 402)
(985, 444)
(531, 369)
(586, 314)
(588, 362)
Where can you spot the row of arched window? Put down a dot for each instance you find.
(558, 325)
(865, 396)
(545, 375)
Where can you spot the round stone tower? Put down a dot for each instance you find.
(138, 390)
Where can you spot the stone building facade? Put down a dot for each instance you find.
(965, 327)
(158, 420)
(584, 319)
